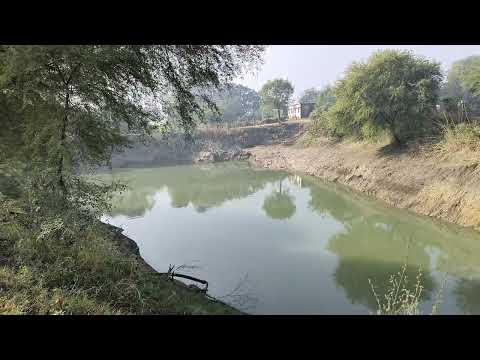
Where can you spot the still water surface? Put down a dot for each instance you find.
(271, 242)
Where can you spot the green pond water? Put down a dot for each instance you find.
(271, 242)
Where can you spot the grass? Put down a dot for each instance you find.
(459, 133)
(461, 136)
(68, 270)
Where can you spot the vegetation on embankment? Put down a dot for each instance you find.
(72, 269)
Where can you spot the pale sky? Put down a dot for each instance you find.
(309, 66)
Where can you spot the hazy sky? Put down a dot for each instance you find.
(309, 66)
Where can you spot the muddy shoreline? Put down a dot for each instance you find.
(129, 245)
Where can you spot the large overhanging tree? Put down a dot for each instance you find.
(75, 104)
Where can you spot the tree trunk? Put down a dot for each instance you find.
(396, 139)
(278, 112)
(63, 135)
(63, 131)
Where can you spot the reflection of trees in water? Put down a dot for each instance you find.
(467, 293)
(133, 204)
(204, 187)
(279, 204)
(372, 252)
(211, 186)
(353, 274)
(373, 245)
(328, 202)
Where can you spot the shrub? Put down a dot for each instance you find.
(402, 298)
(461, 136)
(393, 90)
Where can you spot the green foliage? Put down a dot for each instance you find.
(65, 109)
(75, 105)
(309, 95)
(236, 104)
(324, 100)
(320, 123)
(461, 136)
(400, 299)
(275, 95)
(463, 84)
(392, 90)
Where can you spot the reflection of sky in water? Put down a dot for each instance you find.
(293, 243)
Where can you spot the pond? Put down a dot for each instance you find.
(271, 242)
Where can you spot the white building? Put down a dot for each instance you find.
(299, 110)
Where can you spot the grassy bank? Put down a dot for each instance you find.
(95, 274)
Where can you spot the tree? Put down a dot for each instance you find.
(236, 103)
(276, 94)
(309, 95)
(392, 90)
(324, 100)
(463, 84)
(76, 104)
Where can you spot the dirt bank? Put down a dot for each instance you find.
(209, 145)
(422, 179)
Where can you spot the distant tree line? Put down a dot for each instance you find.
(236, 104)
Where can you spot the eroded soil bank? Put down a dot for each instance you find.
(208, 145)
(419, 178)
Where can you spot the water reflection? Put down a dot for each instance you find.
(375, 243)
(467, 293)
(134, 203)
(279, 204)
(366, 239)
(373, 252)
(203, 187)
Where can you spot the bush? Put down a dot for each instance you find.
(403, 298)
(461, 136)
(394, 91)
(318, 126)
